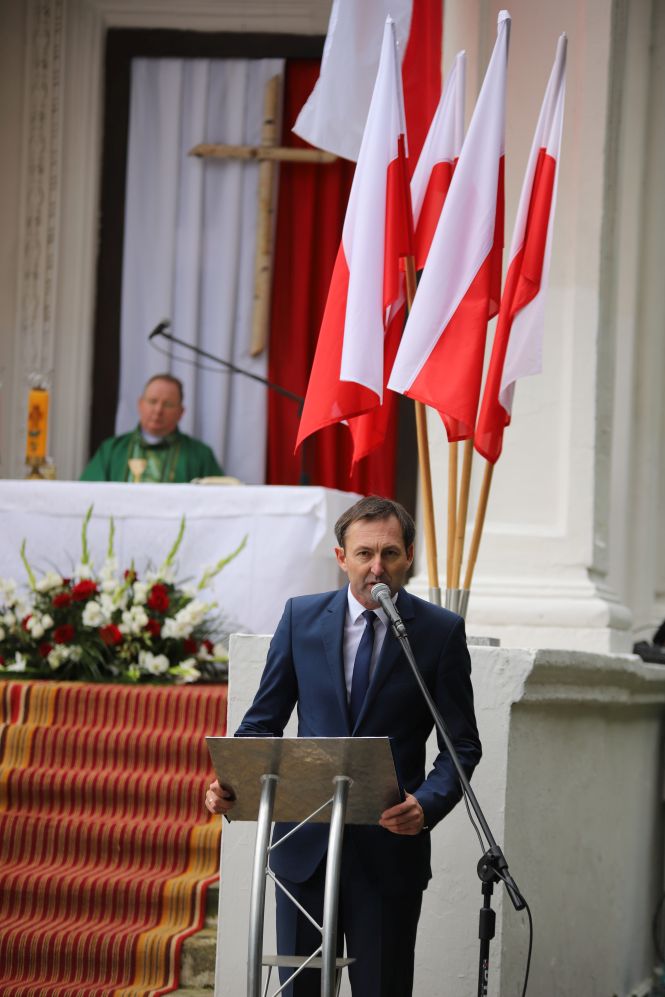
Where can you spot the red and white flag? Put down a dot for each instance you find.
(437, 160)
(440, 359)
(517, 348)
(348, 375)
(335, 113)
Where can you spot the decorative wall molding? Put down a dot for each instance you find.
(289, 16)
(42, 148)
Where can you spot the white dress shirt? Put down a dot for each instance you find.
(354, 627)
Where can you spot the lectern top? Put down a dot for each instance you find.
(306, 768)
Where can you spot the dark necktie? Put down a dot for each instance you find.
(360, 679)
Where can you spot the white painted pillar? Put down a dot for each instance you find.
(557, 516)
(571, 786)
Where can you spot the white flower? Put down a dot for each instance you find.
(134, 620)
(108, 585)
(51, 580)
(35, 628)
(166, 574)
(186, 671)
(82, 571)
(140, 593)
(193, 613)
(154, 664)
(174, 627)
(47, 621)
(219, 653)
(8, 589)
(9, 619)
(18, 664)
(106, 604)
(109, 569)
(93, 614)
(56, 657)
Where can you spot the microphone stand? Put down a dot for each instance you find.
(160, 330)
(492, 866)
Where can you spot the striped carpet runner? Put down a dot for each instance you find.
(105, 848)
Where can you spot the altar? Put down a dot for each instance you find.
(289, 534)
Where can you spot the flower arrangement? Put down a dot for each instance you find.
(110, 626)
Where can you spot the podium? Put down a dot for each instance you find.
(292, 779)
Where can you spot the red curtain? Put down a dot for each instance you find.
(310, 214)
(421, 72)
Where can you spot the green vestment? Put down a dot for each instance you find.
(177, 458)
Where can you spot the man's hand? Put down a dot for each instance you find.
(218, 799)
(405, 818)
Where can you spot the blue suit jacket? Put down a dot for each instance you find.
(305, 667)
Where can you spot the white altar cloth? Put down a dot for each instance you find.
(289, 547)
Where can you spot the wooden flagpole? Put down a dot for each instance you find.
(452, 515)
(478, 525)
(424, 465)
(462, 511)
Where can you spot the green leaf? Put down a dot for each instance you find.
(174, 549)
(110, 550)
(29, 571)
(85, 552)
(216, 568)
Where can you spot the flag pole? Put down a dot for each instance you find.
(424, 463)
(477, 535)
(462, 511)
(452, 519)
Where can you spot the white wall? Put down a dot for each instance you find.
(571, 786)
(573, 549)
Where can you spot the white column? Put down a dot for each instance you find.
(542, 577)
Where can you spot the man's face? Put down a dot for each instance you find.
(374, 552)
(160, 409)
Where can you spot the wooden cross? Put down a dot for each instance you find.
(268, 154)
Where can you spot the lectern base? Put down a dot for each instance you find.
(295, 961)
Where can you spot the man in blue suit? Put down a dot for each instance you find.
(335, 657)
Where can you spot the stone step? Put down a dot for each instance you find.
(193, 992)
(197, 956)
(197, 959)
(212, 904)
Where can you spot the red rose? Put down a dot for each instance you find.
(83, 590)
(61, 599)
(24, 621)
(45, 650)
(153, 627)
(158, 600)
(130, 575)
(189, 645)
(2, 660)
(63, 634)
(110, 634)
(209, 646)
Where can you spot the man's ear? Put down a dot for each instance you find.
(409, 553)
(341, 558)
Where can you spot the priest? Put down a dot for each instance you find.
(155, 450)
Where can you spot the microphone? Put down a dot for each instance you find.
(381, 594)
(159, 329)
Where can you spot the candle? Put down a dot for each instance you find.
(37, 424)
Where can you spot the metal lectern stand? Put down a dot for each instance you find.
(291, 779)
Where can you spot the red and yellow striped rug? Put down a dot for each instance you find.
(105, 848)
